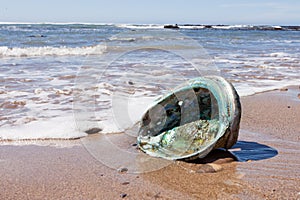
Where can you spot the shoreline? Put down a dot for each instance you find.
(45, 140)
(268, 164)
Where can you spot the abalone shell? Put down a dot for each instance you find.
(196, 117)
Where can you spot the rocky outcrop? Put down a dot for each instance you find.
(171, 26)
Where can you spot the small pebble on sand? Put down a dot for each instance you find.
(123, 170)
(123, 195)
(125, 183)
(209, 168)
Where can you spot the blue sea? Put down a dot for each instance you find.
(59, 80)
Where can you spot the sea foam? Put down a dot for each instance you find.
(50, 51)
(55, 128)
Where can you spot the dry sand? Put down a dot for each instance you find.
(268, 166)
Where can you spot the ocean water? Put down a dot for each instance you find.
(59, 80)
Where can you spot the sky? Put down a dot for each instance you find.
(275, 12)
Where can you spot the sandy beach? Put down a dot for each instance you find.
(267, 164)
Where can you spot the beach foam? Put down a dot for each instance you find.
(54, 128)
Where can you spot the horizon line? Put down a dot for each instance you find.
(113, 23)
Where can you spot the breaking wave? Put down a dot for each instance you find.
(50, 51)
(203, 26)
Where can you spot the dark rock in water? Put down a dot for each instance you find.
(37, 36)
(171, 26)
(93, 130)
(123, 195)
(291, 28)
(208, 26)
(130, 83)
(278, 28)
(222, 25)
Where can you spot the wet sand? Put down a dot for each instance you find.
(267, 167)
